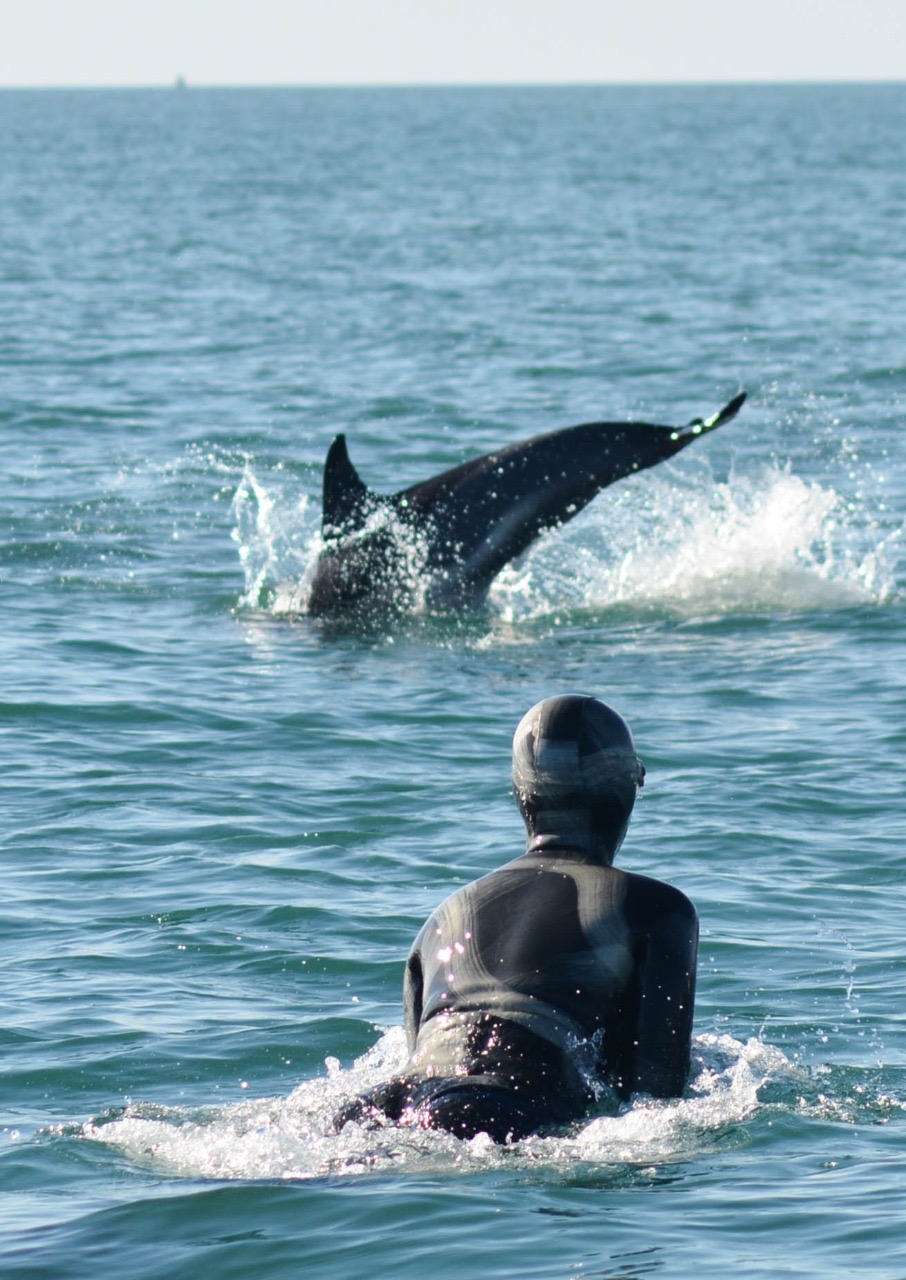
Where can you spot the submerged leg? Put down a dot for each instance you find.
(384, 1102)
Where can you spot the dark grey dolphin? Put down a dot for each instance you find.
(443, 541)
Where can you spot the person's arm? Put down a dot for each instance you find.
(666, 985)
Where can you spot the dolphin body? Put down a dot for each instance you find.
(442, 542)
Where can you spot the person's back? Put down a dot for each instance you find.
(570, 951)
(531, 988)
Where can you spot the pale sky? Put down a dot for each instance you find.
(297, 42)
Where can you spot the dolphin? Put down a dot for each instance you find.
(441, 543)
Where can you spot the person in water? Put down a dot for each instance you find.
(531, 990)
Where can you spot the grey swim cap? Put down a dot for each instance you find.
(575, 767)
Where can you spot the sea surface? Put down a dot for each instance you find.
(223, 822)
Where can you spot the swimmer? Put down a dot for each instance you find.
(556, 959)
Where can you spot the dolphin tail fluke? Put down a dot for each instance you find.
(346, 496)
(698, 426)
(726, 413)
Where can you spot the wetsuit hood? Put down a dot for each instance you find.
(576, 775)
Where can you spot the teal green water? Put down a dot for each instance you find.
(224, 823)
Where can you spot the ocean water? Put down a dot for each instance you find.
(224, 822)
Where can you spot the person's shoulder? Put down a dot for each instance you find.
(455, 911)
(657, 895)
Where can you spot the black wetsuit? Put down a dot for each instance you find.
(527, 989)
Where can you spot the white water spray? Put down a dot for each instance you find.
(290, 1138)
(656, 545)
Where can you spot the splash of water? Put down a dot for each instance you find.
(679, 546)
(278, 547)
(765, 545)
(291, 1138)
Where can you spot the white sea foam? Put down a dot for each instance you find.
(290, 1138)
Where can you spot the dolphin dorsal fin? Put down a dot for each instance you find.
(346, 496)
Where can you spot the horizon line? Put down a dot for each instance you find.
(181, 82)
